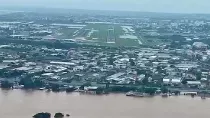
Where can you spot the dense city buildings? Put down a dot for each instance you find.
(105, 53)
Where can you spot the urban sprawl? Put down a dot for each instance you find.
(140, 54)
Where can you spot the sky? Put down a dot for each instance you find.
(169, 6)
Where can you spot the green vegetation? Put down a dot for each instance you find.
(151, 41)
(100, 34)
(59, 115)
(42, 115)
(127, 42)
(66, 33)
(101, 31)
(6, 84)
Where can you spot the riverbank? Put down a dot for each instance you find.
(128, 94)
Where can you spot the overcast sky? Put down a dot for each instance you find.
(174, 6)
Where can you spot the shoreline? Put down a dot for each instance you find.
(80, 105)
(164, 96)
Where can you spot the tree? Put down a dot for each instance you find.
(198, 57)
(38, 83)
(23, 56)
(107, 85)
(140, 71)
(42, 115)
(55, 87)
(159, 69)
(198, 75)
(172, 66)
(184, 81)
(87, 84)
(6, 84)
(1, 60)
(122, 89)
(176, 92)
(164, 90)
(141, 89)
(99, 90)
(15, 73)
(145, 81)
(132, 63)
(27, 82)
(147, 75)
(110, 61)
(150, 91)
(59, 115)
(70, 89)
(67, 80)
(98, 62)
(148, 64)
(178, 38)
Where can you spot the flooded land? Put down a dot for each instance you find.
(24, 104)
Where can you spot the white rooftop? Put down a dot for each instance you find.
(63, 63)
(194, 82)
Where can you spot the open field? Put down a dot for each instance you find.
(66, 33)
(151, 41)
(103, 34)
(109, 34)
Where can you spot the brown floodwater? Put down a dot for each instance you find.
(24, 104)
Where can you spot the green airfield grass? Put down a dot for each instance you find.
(66, 33)
(100, 35)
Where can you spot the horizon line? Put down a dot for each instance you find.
(10, 7)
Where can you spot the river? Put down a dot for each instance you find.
(24, 104)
